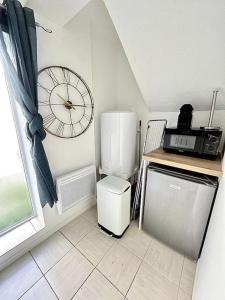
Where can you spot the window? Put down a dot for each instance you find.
(15, 204)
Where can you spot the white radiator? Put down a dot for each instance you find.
(76, 186)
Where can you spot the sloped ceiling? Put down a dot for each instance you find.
(176, 49)
(57, 11)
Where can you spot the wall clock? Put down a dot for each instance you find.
(64, 101)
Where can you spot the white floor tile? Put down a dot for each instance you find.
(188, 275)
(18, 278)
(119, 265)
(71, 275)
(77, 229)
(95, 245)
(40, 291)
(136, 241)
(97, 287)
(67, 276)
(91, 215)
(164, 260)
(48, 253)
(151, 285)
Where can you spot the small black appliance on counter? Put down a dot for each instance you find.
(194, 142)
(201, 142)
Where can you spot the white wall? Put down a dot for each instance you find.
(50, 9)
(210, 274)
(73, 50)
(130, 97)
(86, 48)
(104, 47)
(104, 62)
(175, 49)
(88, 44)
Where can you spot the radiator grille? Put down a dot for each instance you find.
(75, 187)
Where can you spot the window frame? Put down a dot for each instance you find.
(24, 148)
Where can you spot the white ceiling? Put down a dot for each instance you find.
(57, 11)
(176, 49)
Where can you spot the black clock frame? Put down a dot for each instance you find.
(74, 86)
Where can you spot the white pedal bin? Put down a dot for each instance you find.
(113, 205)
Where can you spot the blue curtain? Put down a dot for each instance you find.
(21, 74)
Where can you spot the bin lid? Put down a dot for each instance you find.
(114, 184)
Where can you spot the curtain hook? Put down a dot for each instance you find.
(45, 29)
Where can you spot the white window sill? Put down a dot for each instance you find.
(21, 233)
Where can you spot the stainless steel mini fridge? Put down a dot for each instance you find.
(177, 207)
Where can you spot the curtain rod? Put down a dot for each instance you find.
(3, 20)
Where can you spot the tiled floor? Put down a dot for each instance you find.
(80, 262)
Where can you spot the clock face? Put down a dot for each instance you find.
(64, 101)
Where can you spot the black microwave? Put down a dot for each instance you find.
(194, 142)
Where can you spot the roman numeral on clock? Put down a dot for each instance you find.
(44, 88)
(72, 130)
(44, 103)
(84, 94)
(48, 120)
(81, 125)
(86, 117)
(60, 128)
(52, 76)
(66, 76)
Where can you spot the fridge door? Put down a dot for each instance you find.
(176, 211)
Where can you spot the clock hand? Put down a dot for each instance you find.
(70, 103)
(67, 89)
(81, 105)
(67, 102)
(61, 98)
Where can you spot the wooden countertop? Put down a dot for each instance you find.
(194, 164)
